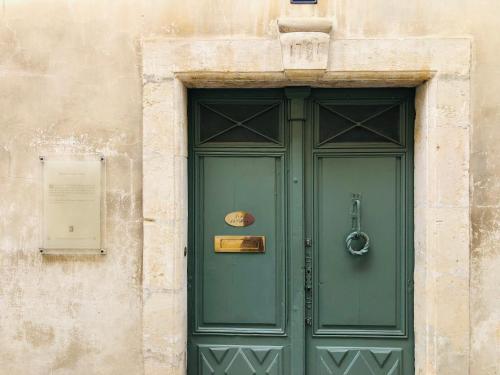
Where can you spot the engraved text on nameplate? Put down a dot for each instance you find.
(239, 219)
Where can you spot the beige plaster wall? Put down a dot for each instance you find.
(70, 81)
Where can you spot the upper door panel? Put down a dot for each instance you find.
(244, 119)
(359, 120)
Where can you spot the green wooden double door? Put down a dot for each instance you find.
(300, 248)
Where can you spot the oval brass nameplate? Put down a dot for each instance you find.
(239, 219)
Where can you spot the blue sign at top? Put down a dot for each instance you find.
(303, 1)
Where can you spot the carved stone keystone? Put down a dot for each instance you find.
(305, 43)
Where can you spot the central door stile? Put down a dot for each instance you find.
(297, 99)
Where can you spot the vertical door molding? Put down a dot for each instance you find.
(296, 117)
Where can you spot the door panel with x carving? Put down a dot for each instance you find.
(257, 121)
(362, 122)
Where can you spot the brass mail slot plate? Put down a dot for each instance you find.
(240, 244)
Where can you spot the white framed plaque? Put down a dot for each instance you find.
(73, 204)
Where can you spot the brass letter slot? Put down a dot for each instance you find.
(240, 244)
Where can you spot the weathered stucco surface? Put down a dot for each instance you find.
(71, 82)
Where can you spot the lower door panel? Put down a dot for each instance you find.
(360, 314)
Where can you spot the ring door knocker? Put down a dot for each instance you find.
(356, 233)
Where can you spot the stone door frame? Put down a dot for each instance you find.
(439, 68)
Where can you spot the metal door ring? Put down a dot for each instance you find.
(356, 235)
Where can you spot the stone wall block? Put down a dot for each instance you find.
(159, 187)
(164, 324)
(451, 166)
(448, 56)
(123, 188)
(453, 105)
(447, 278)
(452, 242)
(163, 59)
(452, 316)
(158, 117)
(157, 256)
(452, 341)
